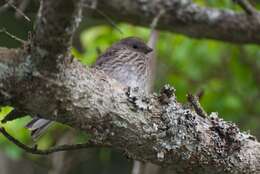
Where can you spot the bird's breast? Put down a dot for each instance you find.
(129, 68)
(131, 76)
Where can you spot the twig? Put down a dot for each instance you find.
(18, 10)
(3, 30)
(154, 34)
(110, 21)
(156, 19)
(22, 6)
(3, 8)
(246, 6)
(66, 147)
(200, 94)
(138, 167)
(196, 105)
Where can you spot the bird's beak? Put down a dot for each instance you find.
(148, 50)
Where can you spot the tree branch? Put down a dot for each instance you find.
(146, 128)
(186, 18)
(56, 23)
(151, 128)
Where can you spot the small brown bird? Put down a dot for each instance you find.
(126, 61)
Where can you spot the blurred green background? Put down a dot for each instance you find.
(228, 74)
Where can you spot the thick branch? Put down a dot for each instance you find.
(155, 129)
(148, 128)
(55, 25)
(187, 18)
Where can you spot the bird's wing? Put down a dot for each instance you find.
(110, 53)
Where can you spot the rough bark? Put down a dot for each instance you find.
(185, 17)
(44, 79)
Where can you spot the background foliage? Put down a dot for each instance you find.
(228, 74)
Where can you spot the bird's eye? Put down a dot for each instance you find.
(135, 46)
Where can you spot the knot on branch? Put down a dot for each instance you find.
(176, 4)
(166, 93)
(226, 135)
(194, 101)
(138, 99)
(180, 130)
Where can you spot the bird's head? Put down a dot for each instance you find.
(133, 43)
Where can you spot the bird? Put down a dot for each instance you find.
(126, 61)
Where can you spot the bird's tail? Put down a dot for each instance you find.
(38, 126)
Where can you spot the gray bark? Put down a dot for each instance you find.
(43, 79)
(186, 17)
